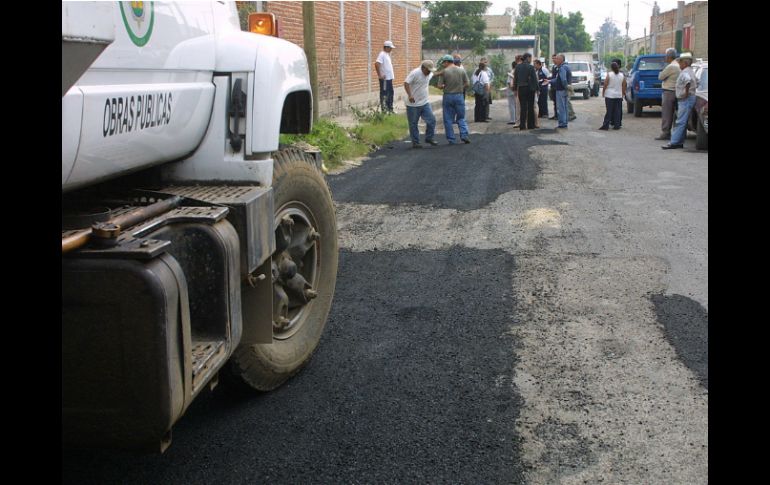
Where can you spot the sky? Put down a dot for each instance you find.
(595, 11)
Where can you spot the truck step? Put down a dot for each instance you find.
(206, 354)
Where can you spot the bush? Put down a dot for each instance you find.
(376, 128)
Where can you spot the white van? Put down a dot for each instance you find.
(582, 77)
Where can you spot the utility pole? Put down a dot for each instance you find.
(308, 39)
(551, 34)
(625, 47)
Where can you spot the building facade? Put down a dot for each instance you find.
(684, 28)
(349, 37)
(499, 25)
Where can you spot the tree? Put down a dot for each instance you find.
(450, 24)
(571, 35)
(525, 10)
(608, 38)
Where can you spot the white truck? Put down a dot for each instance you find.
(582, 66)
(193, 246)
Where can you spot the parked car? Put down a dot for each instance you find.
(582, 77)
(699, 118)
(644, 87)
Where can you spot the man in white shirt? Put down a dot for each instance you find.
(686, 84)
(417, 105)
(384, 68)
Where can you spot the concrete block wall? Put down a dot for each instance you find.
(346, 73)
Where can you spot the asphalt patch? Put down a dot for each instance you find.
(412, 383)
(461, 177)
(686, 324)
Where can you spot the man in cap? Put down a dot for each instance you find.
(417, 105)
(668, 75)
(454, 81)
(491, 75)
(686, 84)
(384, 68)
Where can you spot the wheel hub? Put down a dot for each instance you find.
(294, 269)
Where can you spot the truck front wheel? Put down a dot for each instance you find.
(304, 273)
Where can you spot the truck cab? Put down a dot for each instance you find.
(644, 87)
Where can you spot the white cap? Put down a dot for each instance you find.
(685, 55)
(389, 44)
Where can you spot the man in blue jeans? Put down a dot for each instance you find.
(417, 105)
(384, 67)
(686, 84)
(454, 81)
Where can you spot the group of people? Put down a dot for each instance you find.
(526, 82)
(529, 86)
(679, 85)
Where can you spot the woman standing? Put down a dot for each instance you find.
(482, 99)
(613, 91)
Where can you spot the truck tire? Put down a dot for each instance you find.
(638, 109)
(701, 138)
(300, 193)
(586, 93)
(629, 107)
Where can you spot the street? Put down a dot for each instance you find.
(529, 308)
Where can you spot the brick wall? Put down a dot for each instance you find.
(387, 21)
(664, 27)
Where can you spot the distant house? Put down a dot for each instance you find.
(636, 46)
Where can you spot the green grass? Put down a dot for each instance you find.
(337, 143)
(378, 133)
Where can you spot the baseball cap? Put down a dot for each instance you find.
(685, 55)
(428, 64)
(446, 58)
(389, 44)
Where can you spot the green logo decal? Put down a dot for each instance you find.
(139, 28)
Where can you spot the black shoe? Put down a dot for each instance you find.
(416, 145)
(511, 123)
(615, 127)
(466, 141)
(663, 137)
(605, 128)
(551, 117)
(671, 147)
(573, 118)
(431, 142)
(489, 119)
